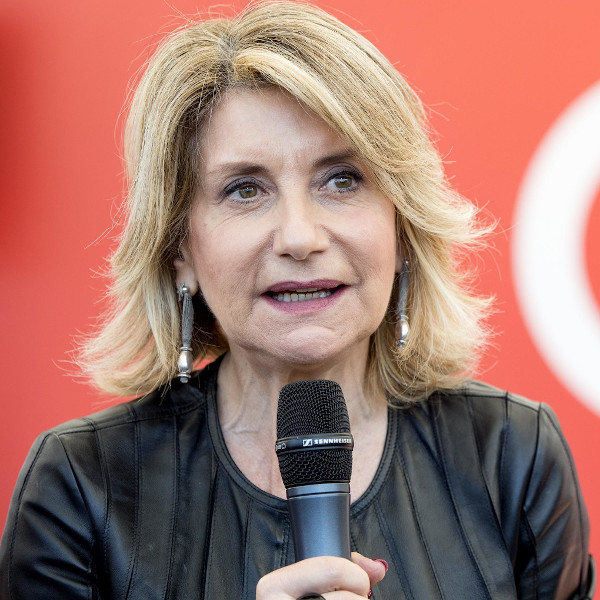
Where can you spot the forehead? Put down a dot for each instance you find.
(264, 123)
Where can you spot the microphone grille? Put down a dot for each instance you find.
(307, 407)
(313, 407)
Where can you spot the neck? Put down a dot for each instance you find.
(248, 393)
(248, 389)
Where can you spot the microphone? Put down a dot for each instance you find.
(314, 448)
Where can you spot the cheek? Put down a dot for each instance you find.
(203, 255)
(380, 246)
(223, 264)
(211, 244)
(209, 266)
(380, 259)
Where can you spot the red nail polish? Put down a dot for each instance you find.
(370, 593)
(383, 562)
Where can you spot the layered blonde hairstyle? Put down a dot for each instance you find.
(346, 81)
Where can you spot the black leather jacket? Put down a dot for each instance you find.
(476, 497)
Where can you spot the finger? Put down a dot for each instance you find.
(374, 568)
(320, 575)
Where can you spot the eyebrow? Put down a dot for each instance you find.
(237, 167)
(347, 154)
(246, 167)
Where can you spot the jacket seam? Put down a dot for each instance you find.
(174, 511)
(249, 510)
(479, 447)
(418, 519)
(385, 464)
(285, 542)
(137, 515)
(131, 420)
(505, 435)
(82, 496)
(21, 492)
(543, 412)
(529, 530)
(533, 541)
(105, 479)
(404, 580)
(209, 518)
(450, 488)
(533, 460)
(493, 516)
(495, 512)
(210, 539)
(507, 396)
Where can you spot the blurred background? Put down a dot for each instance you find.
(513, 91)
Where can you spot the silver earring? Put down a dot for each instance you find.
(402, 326)
(185, 362)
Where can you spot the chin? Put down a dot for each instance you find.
(309, 349)
(309, 357)
(314, 356)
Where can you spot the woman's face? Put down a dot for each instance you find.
(293, 246)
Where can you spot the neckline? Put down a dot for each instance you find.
(208, 382)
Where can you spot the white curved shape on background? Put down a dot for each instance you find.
(552, 210)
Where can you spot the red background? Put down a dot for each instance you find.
(495, 76)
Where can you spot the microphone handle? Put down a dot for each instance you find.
(320, 517)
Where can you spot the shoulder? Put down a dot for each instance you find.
(515, 444)
(73, 469)
(489, 401)
(515, 438)
(83, 482)
(489, 412)
(174, 399)
(495, 416)
(89, 449)
(530, 478)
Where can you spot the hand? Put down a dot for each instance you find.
(332, 577)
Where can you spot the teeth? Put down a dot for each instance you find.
(302, 296)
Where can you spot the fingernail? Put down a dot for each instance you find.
(383, 562)
(370, 593)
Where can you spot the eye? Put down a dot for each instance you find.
(248, 191)
(344, 181)
(242, 191)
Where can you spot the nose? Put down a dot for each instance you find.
(300, 229)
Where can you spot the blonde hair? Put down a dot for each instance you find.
(345, 80)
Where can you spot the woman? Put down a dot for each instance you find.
(281, 177)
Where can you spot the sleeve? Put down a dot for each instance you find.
(552, 559)
(46, 548)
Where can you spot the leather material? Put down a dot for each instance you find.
(476, 496)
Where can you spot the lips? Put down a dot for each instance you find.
(301, 295)
(296, 291)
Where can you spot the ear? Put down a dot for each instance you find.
(185, 273)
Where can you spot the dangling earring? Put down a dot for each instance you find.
(402, 327)
(186, 360)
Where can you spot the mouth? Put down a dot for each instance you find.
(293, 292)
(301, 295)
